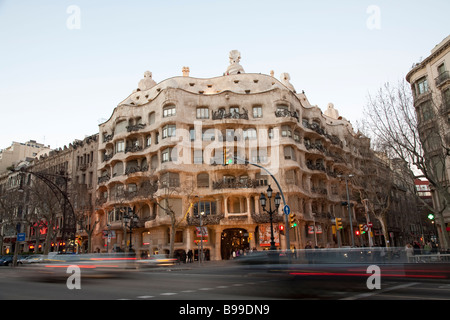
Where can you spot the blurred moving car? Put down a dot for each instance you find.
(157, 260)
(6, 260)
(37, 258)
(56, 267)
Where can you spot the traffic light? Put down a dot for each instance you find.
(281, 227)
(431, 216)
(357, 232)
(361, 229)
(229, 155)
(339, 223)
(292, 220)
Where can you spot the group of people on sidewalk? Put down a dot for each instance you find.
(188, 257)
(415, 249)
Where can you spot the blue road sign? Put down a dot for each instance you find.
(21, 236)
(286, 210)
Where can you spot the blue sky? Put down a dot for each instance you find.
(57, 83)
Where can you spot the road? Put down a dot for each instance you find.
(222, 281)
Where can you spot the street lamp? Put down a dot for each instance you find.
(199, 214)
(346, 177)
(277, 201)
(130, 218)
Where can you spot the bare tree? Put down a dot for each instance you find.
(44, 210)
(163, 190)
(375, 191)
(84, 211)
(416, 137)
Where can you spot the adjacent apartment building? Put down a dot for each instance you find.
(430, 84)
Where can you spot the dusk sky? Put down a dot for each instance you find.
(65, 65)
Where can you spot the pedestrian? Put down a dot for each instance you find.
(427, 248)
(416, 248)
(189, 256)
(409, 252)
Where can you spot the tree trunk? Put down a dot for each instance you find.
(384, 229)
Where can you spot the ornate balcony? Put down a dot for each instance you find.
(442, 78)
(135, 127)
(286, 113)
(221, 114)
(235, 184)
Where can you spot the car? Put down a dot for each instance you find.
(37, 258)
(6, 260)
(157, 260)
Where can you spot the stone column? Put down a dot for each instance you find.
(217, 244)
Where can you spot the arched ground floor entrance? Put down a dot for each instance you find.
(234, 242)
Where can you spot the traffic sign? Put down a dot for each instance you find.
(21, 236)
(286, 210)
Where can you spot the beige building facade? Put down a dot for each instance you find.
(19, 151)
(430, 84)
(185, 133)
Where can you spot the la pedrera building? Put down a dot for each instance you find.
(186, 148)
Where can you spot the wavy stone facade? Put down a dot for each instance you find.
(185, 131)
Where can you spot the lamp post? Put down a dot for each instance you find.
(199, 213)
(263, 200)
(130, 218)
(346, 177)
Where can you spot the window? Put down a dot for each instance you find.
(282, 107)
(422, 86)
(118, 169)
(168, 154)
(289, 153)
(259, 155)
(291, 177)
(250, 134)
(198, 156)
(202, 113)
(170, 179)
(168, 131)
(257, 112)
(169, 111)
(262, 179)
(208, 135)
(446, 99)
(441, 69)
(203, 180)
(286, 131)
(427, 111)
(296, 136)
(132, 187)
(148, 140)
(192, 134)
(234, 110)
(120, 146)
(207, 207)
